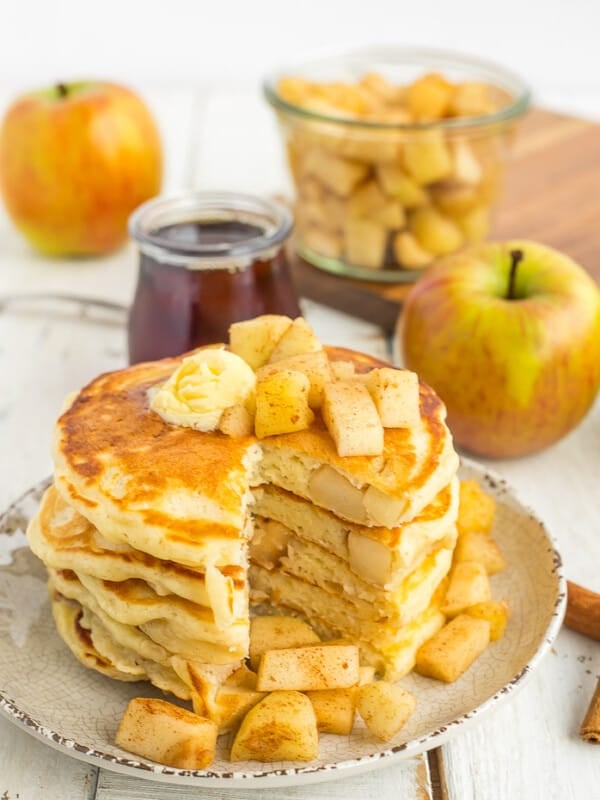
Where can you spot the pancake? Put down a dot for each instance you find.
(378, 555)
(64, 539)
(158, 538)
(93, 646)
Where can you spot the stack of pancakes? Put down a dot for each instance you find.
(158, 538)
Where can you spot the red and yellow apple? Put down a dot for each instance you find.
(509, 336)
(75, 160)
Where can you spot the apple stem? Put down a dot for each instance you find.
(516, 257)
(61, 90)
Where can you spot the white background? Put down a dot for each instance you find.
(552, 43)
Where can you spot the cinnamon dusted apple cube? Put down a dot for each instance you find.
(281, 727)
(337, 174)
(365, 242)
(427, 157)
(352, 419)
(311, 668)
(335, 710)
(385, 708)
(236, 421)
(343, 370)
(401, 186)
(409, 252)
(298, 338)
(496, 613)
(469, 584)
(282, 404)
(315, 366)
(272, 632)
(166, 733)
(435, 232)
(255, 339)
(395, 393)
(449, 654)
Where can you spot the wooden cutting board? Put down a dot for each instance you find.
(552, 195)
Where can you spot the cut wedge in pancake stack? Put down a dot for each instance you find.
(276, 476)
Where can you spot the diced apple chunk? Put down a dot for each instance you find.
(337, 174)
(343, 370)
(330, 489)
(369, 559)
(298, 339)
(479, 547)
(365, 242)
(402, 187)
(236, 421)
(352, 419)
(476, 508)
(255, 339)
(315, 366)
(282, 404)
(320, 666)
(366, 201)
(496, 613)
(409, 252)
(429, 96)
(166, 733)
(385, 708)
(469, 584)
(335, 710)
(282, 727)
(435, 232)
(395, 393)
(383, 509)
(427, 157)
(467, 168)
(271, 632)
(448, 654)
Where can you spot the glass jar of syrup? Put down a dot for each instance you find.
(207, 259)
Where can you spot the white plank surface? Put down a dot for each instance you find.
(29, 770)
(405, 781)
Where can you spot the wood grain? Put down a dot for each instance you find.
(551, 195)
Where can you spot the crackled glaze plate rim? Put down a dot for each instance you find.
(263, 777)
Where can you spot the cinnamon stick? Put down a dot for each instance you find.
(590, 727)
(583, 610)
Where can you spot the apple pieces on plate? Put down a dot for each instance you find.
(295, 379)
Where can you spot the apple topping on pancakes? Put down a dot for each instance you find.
(326, 491)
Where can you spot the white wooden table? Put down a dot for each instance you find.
(527, 748)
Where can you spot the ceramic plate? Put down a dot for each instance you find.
(48, 693)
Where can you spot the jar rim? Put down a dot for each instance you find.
(274, 219)
(426, 58)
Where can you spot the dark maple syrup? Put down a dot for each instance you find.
(200, 273)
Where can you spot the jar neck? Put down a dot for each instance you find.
(210, 230)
